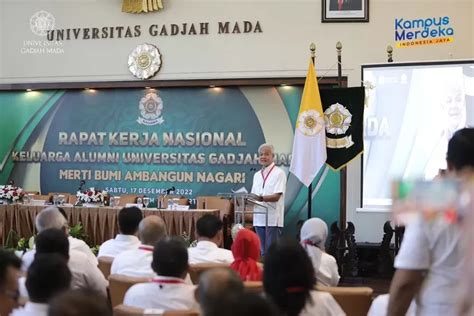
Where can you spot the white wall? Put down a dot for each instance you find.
(280, 51)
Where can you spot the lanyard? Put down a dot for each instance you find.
(159, 281)
(146, 248)
(266, 177)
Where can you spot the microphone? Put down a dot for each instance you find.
(81, 184)
(11, 182)
(172, 189)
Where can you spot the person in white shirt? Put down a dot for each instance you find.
(47, 276)
(269, 186)
(430, 258)
(137, 262)
(52, 217)
(209, 232)
(289, 278)
(167, 291)
(313, 237)
(10, 266)
(128, 220)
(84, 275)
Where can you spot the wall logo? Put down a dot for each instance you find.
(139, 6)
(41, 22)
(150, 107)
(428, 31)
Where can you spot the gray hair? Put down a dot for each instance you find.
(151, 230)
(50, 217)
(266, 145)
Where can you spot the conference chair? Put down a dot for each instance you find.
(119, 285)
(195, 270)
(122, 310)
(355, 301)
(105, 263)
(127, 198)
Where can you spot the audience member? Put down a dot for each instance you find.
(51, 217)
(10, 266)
(246, 251)
(209, 232)
(167, 290)
(79, 303)
(84, 275)
(128, 220)
(430, 257)
(47, 276)
(251, 304)
(217, 290)
(289, 279)
(313, 238)
(137, 262)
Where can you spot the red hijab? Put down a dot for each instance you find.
(246, 251)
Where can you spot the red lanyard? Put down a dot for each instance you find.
(266, 177)
(146, 248)
(173, 281)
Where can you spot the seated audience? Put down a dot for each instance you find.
(167, 290)
(128, 220)
(79, 303)
(137, 262)
(217, 290)
(51, 217)
(251, 304)
(84, 275)
(47, 276)
(209, 232)
(313, 238)
(430, 257)
(10, 266)
(246, 251)
(289, 279)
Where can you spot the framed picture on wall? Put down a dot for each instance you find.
(345, 11)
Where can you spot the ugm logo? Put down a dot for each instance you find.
(150, 107)
(139, 6)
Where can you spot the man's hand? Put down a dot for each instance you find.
(405, 285)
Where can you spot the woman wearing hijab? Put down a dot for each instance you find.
(313, 237)
(246, 251)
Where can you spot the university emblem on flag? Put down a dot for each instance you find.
(310, 122)
(150, 107)
(343, 115)
(338, 120)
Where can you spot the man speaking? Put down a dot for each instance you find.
(269, 185)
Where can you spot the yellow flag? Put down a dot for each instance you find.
(309, 143)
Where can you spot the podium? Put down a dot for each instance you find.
(241, 203)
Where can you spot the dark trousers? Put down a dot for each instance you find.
(272, 233)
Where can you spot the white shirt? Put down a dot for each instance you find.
(120, 243)
(175, 296)
(31, 309)
(275, 183)
(379, 307)
(208, 252)
(134, 263)
(74, 244)
(433, 246)
(322, 304)
(325, 266)
(85, 276)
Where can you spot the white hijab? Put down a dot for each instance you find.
(313, 238)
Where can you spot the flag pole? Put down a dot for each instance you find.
(312, 48)
(343, 171)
